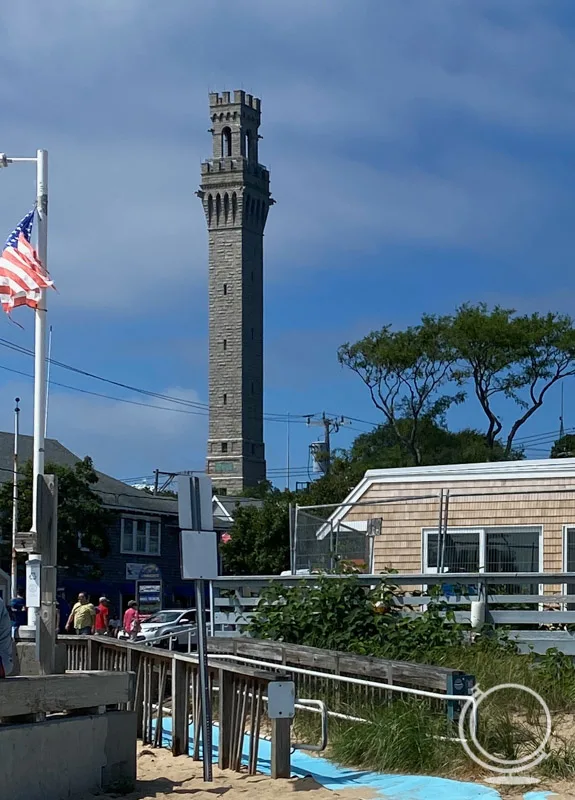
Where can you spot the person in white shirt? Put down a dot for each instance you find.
(6, 641)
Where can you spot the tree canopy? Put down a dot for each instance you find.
(493, 355)
(82, 517)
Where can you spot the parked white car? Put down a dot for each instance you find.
(180, 623)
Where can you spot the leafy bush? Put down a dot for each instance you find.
(343, 615)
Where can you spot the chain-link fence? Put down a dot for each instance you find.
(318, 544)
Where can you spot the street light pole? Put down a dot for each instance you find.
(41, 161)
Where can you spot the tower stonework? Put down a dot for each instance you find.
(236, 199)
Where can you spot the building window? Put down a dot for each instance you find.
(252, 333)
(226, 143)
(252, 276)
(569, 561)
(225, 344)
(253, 449)
(253, 388)
(224, 447)
(225, 288)
(81, 545)
(513, 548)
(140, 536)
(225, 399)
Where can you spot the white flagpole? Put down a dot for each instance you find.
(40, 349)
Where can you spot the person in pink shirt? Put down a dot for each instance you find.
(132, 619)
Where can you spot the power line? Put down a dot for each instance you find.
(202, 408)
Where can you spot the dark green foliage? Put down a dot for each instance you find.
(563, 447)
(80, 511)
(343, 615)
(259, 542)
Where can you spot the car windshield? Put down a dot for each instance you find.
(162, 617)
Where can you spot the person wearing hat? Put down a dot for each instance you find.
(102, 625)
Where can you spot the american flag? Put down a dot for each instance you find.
(22, 275)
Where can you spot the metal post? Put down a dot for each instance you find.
(439, 529)
(14, 566)
(204, 685)
(291, 543)
(40, 347)
(445, 524)
(294, 539)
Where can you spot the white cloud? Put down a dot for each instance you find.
(364, 125)
(124, 440)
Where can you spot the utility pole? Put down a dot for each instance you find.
(330, 425)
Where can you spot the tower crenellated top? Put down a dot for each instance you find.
(235, 124)
(240, 97)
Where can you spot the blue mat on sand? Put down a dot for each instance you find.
(391, 787)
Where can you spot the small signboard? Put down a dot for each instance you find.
(149, 596)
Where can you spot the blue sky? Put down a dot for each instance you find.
(421, 155)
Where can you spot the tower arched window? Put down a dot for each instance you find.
(248, 144)
(234, 207)
(226, 207)
(218, 208)
(210, 209)
(226, 142)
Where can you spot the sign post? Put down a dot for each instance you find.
(149, 596)
(199, 560)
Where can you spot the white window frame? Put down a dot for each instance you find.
(566, 527)
(482, 544)
(134, 519)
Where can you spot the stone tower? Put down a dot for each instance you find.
(236, 199)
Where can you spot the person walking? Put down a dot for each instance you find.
(132, 619)
(102, 617)
(82, 617)
(18, 612)
(6, 641)
(63, 611)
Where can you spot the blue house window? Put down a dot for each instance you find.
(140, 536)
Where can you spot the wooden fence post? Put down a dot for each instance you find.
(226, 703)
(180, 710)
(92, 661)
(281, 748)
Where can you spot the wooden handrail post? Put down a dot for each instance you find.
(281, 748)
(180, 711)
(226, 703)
(92, 661)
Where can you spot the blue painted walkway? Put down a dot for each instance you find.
(390, 787)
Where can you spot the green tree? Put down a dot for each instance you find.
(380, 448)
(505, 360)
(509, 357)
(259, 543)
(408, 374)
(564, 447)
(80, 512)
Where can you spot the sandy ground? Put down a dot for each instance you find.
(163, 777)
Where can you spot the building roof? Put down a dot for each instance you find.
(114, 493)
(225, 505)
(488, 471)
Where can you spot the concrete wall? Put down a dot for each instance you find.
(67, 755)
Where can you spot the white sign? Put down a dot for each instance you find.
(33, 568)
(199, 555)
(137, 572)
